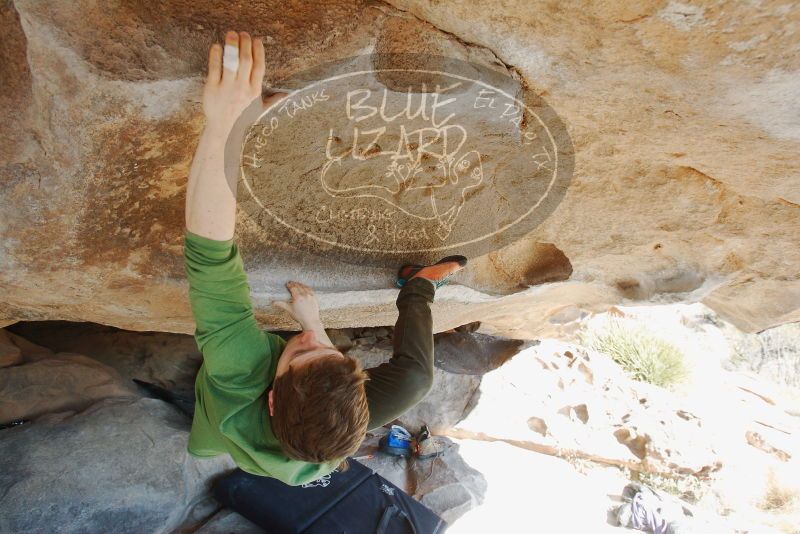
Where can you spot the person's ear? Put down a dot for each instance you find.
(271, 405)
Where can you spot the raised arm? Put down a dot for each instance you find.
(211, 191)
(235, 350)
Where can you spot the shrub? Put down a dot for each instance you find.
(778, 497)
(644, 356)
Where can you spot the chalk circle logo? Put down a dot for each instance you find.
(374, 160)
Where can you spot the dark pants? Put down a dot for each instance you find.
(397, 385)
(393, 387)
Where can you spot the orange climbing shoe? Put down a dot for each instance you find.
(439, 273)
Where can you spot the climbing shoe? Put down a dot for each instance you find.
(439, 273)
(427, 446)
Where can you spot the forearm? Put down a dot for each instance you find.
(319, 331)
(210, 198)
(309, 320)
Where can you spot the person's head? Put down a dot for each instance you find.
(318, 404)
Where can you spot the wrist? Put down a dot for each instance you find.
(311, 324)
(217, 129)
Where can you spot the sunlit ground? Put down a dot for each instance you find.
(531, 492)
(739, 391)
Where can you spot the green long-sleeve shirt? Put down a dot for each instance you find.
(239, 362)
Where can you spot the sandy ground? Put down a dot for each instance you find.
(531, 492)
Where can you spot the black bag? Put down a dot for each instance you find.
(357, 501)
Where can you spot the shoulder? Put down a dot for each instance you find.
(291, 472)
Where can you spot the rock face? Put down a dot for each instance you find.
(117, 357)
(41, 381)
(159, 357)
(681, 118)
(119, 461)
(472, 353)
(120, 466)
(67, 382)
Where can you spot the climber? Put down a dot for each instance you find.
(289, 410)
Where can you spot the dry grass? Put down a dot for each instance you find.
(644, 356)
(686, 487)
(778, 498)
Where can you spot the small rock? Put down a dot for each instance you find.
(381, 332)
(537, 424)
(469, 327)
(367, 341)
(757, 440)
